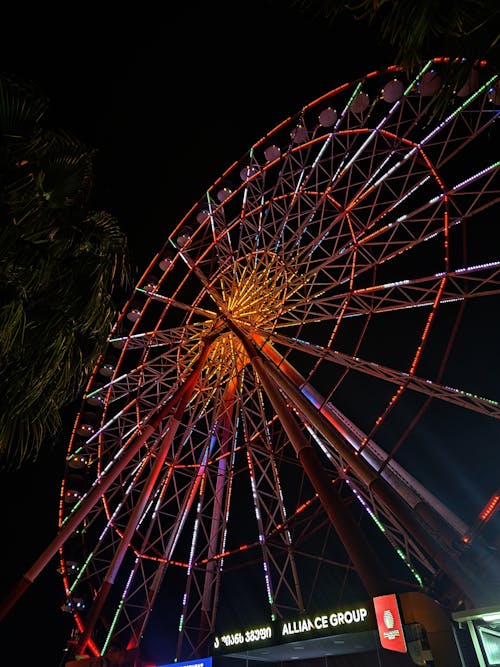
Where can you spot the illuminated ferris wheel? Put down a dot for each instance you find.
(247, 438)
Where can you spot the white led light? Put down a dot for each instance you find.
(492, 617)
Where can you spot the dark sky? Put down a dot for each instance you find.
(170, 98)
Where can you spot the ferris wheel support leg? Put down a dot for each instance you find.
(359, 550)
(119, 555)
(74, 519)
(442, 522)
(77, 517)
(465, 581)
(183, 395)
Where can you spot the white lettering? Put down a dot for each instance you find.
(347, 617)
(321, 622)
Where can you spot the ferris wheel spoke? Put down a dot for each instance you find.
(477, 121)
(409, 550)
(369, 234)
(462, 285)
(464, 399)
(133, 520)
(184, 496)
(266, 464)
(138, 596)
(208, 541)
(302, 400)
(190, 308)
(135, 515)
(350, 189)
(331, 254)
(208, 550)
(406, 485)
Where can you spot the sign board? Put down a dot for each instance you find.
(340, 621)
(389, 624)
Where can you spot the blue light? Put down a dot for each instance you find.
(202, 662)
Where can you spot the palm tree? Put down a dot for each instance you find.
(61, 264)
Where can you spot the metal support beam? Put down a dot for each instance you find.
(471, 586)
(359, 550)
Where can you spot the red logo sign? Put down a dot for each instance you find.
(390, 626)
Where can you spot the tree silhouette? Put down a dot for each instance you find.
(60, 266)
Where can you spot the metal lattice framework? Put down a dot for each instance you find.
(269, 358)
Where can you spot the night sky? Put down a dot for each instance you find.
(170, 98)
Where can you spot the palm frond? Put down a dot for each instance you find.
(60, 267)
(22, 107)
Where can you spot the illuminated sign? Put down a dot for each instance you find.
(243, 638)
(202, 662)
(491, 644)
(304, 627)
(324, 621)
(390, 627)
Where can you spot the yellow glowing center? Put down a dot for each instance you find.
(254, 292)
